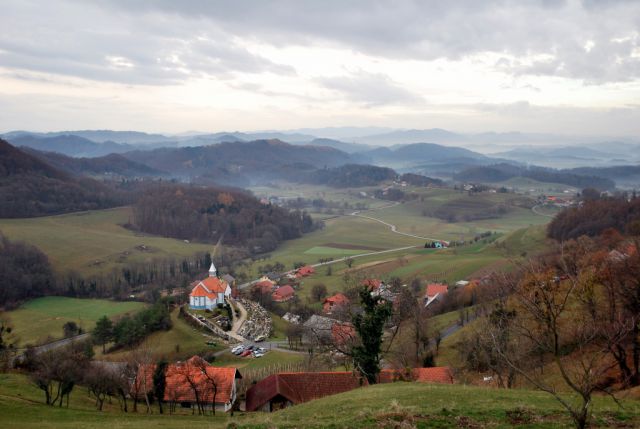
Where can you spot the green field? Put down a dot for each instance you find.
(93, 242)
(42, 319)
(397, 405)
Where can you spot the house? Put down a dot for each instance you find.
(435, 292)
(265, 286)
(334, 302)
(208, 293)
(283, 293)
(305, 271)
(343, 334)
(283, 390)
(317, 330)
(372, 284)
(185, 379)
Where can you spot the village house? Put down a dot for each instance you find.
(335, 302)
(284, 390)
(305, 271)
(435, 292)
(283, 293)
(208, 293)
(215, 386)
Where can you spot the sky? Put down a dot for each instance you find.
(567, 67)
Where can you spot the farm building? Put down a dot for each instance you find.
(208, 293)
(183, 379)
(435, 292)
(305, 271)
(283, 293)
(334, 302)
(283, 390)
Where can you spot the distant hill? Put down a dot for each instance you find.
(501, 172)
(111, 165)
(340, 145)
(238, 162)
(70, 145)
(98, 136)
(413, 136)
(31, 187)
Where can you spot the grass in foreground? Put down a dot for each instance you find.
(42, 318)
(391, 405)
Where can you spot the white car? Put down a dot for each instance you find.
(258, 354)
(259, 338)
(237, 349)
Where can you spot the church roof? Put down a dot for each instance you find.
(209, 287)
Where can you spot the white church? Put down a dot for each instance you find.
(208, 293)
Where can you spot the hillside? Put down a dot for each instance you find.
(109, 165)
(501, 172)
(70, 145)
(31, 187)
(238, 162)
(389, 405)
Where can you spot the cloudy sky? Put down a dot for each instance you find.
(568, 67)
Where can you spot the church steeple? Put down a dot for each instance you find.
(212, 270)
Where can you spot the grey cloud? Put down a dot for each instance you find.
(369, 89)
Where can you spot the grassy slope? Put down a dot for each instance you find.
(41, 318)
(421, 405)
(93, 242)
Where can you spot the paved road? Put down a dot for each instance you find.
(534, 209)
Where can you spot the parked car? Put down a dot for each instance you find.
(237, 349)
(259, 338)
(245, 353)
(257, 354)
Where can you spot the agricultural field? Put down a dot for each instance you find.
(180, 342)
(94, 242)
(41, 319)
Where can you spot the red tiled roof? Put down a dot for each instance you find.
(264, 286)
(439, 374)
(181, 376)
(306, 270)
(209, 287)
(283, 293)
(337, 299)
(343, 333)
(299, 387)
(436, 288)
(374, 284)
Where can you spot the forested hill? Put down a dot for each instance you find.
(208, 214)
(31, 187)
(243, 160)
(500, 172)
(108, 165)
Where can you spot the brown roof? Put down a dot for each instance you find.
(299, 387)
(283, 293)
(338, 299)
(436, 288)
(372, 284)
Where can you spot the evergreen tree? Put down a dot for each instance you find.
(160, 382)
(103, 332)
(370, 326)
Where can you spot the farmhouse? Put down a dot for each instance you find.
(283, 293)
(435, 292)
(207, 293)
(305, 271)
(215, 386)
(334, 302)
(264, 286)
(283, 390)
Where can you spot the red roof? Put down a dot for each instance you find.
(305, 271)
(283, 293)
(338, 299)
(343, 333)
(439, 374)
(299, 387)
(210, 287)
(264, 286)
(373, 284)
(182, 375)
(436, 288)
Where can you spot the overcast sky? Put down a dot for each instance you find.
(568, 67)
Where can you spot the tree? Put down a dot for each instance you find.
(6, 343)
(160, 382)
(318, 292)
(329, 270)
(348, 262)
(101, 382)
(103, 332)
(369, 326)
(70, 329)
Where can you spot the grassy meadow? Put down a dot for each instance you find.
(41, 319)
(394, 405)
(94, 242)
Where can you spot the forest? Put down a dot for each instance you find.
(595, 216)
(211, 214)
